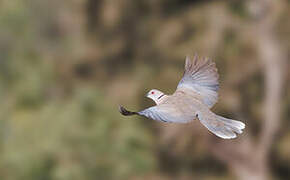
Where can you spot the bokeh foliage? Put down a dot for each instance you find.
(66, 65)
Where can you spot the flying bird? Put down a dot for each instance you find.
(196, 93)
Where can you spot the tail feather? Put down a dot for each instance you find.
(235, 123)
(230, 127)
(222, 127)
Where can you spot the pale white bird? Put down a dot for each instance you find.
(196, 93)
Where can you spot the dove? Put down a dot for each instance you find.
(195, 95)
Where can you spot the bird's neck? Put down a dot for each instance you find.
(160, 99)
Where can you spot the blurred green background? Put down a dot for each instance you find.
(65, 66)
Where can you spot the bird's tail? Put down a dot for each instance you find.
(223, 127)
(125, 112)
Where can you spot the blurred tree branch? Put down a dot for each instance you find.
(247, 159)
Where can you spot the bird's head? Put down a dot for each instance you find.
(155, 95)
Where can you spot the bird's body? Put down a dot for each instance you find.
(196, 93)
(181, 106)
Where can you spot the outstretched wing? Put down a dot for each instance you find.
(201, 76)
(165, 113)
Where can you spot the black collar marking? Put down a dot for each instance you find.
(161, 96)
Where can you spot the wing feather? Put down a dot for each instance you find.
(165, 114)
(155, 114)
(201, 76)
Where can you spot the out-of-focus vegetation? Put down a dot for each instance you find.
(66, 65)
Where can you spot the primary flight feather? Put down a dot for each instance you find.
(196, 93)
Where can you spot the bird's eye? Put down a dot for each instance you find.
(152, 92)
